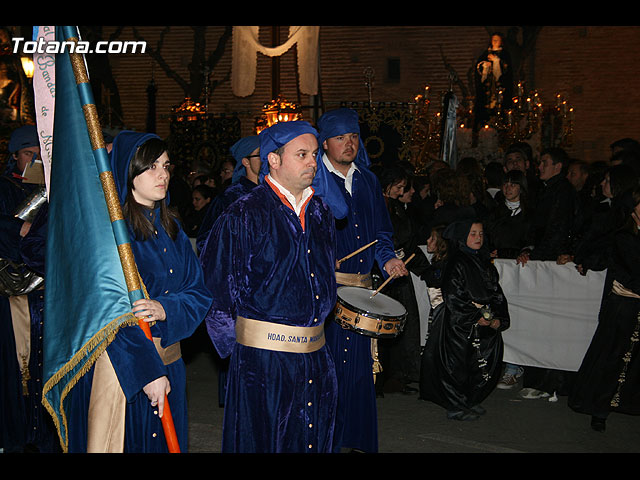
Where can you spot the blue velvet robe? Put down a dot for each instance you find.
(23, 418)
(367, 220)
(172, 275)
(260, 264)
(219, 204)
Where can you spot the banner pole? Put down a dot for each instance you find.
(125, 252)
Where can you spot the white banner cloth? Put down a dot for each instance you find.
(554, 313)
(553, 309)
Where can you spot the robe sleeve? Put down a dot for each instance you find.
(135, 360)
(218, 260)
(186, 307)
(626, 261)
(464, 314)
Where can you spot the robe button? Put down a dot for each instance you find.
(312, 274)
(154, 435)
(309, 404)
(171, 270)
(311, 425)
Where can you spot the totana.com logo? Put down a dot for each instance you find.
(41, 46)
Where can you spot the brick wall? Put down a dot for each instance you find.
(596, 68)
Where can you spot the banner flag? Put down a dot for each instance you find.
(87, 299)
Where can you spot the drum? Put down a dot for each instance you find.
(377, 317)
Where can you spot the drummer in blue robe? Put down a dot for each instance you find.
(269, 263)
(345, 180)
(177, 303)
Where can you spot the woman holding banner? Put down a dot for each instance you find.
(176, 302)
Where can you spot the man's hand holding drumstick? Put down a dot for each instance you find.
(395, 268)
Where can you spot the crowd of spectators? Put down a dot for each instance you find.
(547, 207)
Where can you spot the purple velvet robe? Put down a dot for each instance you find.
(261, 264)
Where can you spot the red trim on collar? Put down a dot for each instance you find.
(284, 200)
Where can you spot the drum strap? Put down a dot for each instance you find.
(354, 279)
(278, 337)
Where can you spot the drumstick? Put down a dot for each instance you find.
(390, 278)
(356, 252)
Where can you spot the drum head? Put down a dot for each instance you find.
(380, 306)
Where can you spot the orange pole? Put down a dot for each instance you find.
(167, 419)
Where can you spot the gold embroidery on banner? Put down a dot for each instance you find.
(111, 195)
(77, 62)
(95, 133)
(131, 276)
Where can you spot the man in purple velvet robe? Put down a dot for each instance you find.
(345, 163)
(269, 263)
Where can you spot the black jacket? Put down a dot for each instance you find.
(553, 219)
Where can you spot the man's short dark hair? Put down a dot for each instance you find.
(557, 154)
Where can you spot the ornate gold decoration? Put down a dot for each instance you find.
(278, 110)
(188, 110)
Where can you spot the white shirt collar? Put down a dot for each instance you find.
(348, 180)
(306, 193)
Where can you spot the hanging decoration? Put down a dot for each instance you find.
(246, 45)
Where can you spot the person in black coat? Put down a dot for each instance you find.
(593, 250)
(508, 224)
(552, 226)
(400, 356)
(608, 379)
(462, 360)
(554, 211)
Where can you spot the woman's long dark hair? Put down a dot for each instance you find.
(136, 214)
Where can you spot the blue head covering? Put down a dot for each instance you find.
(277, 136)
(125, 145)
(332, 124)
(339, 122)
(22, 137)
(240, 150)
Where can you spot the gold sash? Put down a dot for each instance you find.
(21, 320)
(277, 337)
(169, 354)
(354, 279)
